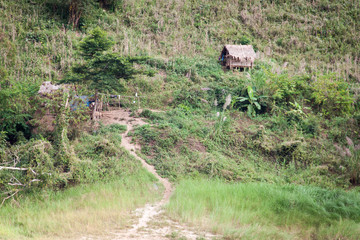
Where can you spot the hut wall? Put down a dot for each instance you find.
(241, 64)
(233, 63)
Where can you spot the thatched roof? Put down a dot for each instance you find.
(47, 87)
(243, 53)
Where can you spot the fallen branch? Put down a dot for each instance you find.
(17, 190)
(14, 168)
(33, 171)
(15, 184)
(35, 180)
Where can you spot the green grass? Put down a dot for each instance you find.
(183, 40)
(267, 211)
(79, 211)
(103, 185)
(182, 142)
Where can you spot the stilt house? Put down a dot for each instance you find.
(237, 56)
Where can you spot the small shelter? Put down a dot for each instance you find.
(237, 56)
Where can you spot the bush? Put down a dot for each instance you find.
(351, 160)
(146, 113)
(331, 96)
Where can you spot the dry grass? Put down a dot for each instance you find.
(79, 211)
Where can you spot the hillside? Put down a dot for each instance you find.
(288, 129)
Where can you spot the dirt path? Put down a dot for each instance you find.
(152, 223)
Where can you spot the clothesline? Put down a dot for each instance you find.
(120, 96)
(136, 98)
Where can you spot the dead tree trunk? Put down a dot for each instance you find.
(75, 12)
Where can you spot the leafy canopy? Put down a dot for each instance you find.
(97, 42)
(101, 71)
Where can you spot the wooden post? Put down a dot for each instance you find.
(119, 101)
(95, 105)
(137, 99)
(139, 102)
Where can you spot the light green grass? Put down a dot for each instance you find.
(79, 211)
(267, 211)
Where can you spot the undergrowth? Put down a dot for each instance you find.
(87, 159)
(182, 143)
(287, 121)
(103, 182)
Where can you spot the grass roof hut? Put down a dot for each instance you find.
(237, 56)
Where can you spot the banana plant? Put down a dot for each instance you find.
(250, 102)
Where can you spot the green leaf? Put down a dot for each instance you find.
(250, 111)
(250, 92)
(243, 99)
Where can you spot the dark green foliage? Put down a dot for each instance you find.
(15, 109)
(309, 125)
(251, 102)
(102, 72)
(146, 113)
(110, 4)
(332, 95)
(90, 158)
(75, 13)
(244, 40)
(95, 43)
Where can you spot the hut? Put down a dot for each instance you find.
(237, 56)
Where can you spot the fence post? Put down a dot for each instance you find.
(138, 99)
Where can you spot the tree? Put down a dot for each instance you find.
(72, 10)
(101, 71)
(16, 101)
(79, 12)
(96, 43)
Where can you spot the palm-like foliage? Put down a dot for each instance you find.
(250, 102)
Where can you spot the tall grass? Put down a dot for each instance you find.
(267, 211)
(322, 35)
(81, 210)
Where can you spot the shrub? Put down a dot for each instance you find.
(331, 95)
(146, 113)
(351, 155)
(251, 102)
(285, 88)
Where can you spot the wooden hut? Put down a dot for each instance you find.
(237, 56)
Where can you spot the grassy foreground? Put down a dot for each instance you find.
(267, 211)
(79, 211)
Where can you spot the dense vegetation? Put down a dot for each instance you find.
(293, 119)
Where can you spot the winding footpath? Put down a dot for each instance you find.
(152, 222)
